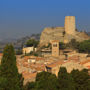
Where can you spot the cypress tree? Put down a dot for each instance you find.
(46, 81)
(9, 75)
(65, 80)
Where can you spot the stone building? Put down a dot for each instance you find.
(55, 48)
(27, 50)
(54, 67)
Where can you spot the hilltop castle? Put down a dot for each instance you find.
(63, 34)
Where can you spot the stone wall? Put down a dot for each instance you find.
(50, 34)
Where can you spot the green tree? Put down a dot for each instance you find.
(19, 52)
(62, 45)
(65, 80)
(73, 44)
(9, 76)
(84, 46)
(3, 83)
(30, 86)
(47, 46)
(81, 79)
(32, 42)
(46, 81)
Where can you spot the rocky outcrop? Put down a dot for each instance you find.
(54, 33)
(79, 36)
(63, 34)
(58, 33)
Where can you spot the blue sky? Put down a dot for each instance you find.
(19, 18)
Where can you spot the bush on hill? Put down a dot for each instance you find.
(84, 47)
(32, 42)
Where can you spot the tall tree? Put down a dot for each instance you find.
(81, 79)
(9, 76)
(46, 81)
(65, 81)
(84, 46)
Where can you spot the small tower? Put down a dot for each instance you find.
(55, 48)
(70, 25)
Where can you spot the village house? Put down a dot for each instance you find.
(54, 67)
(27, 50)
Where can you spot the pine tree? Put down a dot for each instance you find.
(9, 75)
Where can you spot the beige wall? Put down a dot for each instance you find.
(70, 25)
(27, 50)
(55, 70)
(55, 48)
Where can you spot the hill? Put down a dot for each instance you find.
(18, 43)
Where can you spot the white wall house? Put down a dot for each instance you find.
(27, 50)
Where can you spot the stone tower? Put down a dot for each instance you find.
(70, 25)
(55, 48)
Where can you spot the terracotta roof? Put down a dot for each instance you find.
(75, 58)
(1, 54)
(28, 75)
(39, 58)
(88, 67)
(37, 67)
(84, 62)
(27, 57)
(54, 64)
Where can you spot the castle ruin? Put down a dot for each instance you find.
(70, 25)
(63, 34)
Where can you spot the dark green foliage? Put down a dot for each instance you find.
(65, 80)
(64, 33)
(19, 52)
(84, 46)
(9, 75)
(46, 81)
(76, 80)
(3, 83)
(81, 79)
(73, 44)
(47, 46)
(30, 86)
(32, 53)
(32, 42)
(62, 45)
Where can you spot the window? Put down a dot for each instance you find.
(54, 45)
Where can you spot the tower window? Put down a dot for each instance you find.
(54, 45)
